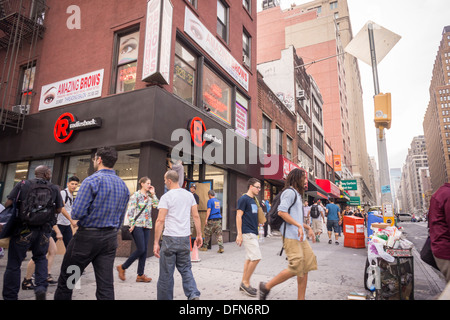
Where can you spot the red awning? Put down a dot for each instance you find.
(277, 167)
(329, 187)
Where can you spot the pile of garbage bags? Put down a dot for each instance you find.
(385, 238)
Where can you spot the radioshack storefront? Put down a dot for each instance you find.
(141, 126)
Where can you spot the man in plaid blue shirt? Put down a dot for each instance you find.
(99, 207)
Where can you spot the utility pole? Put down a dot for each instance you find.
(386, 197)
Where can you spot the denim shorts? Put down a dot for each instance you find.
(333, 225)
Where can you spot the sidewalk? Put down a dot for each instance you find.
(340, 271)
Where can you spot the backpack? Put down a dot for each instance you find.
(38, 208)
(275, 221)
(314, 212)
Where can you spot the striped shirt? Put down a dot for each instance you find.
(101, 201)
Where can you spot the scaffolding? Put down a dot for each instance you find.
(21, 26)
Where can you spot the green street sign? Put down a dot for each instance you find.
(349, 184)
(355, 201)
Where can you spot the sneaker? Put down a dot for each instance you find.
(121, 272)
(329, 241)
(50, 280)
(220, 250)
(143, 278)
(263, 291)
(248, 290)
(336, 243)
(27, 284)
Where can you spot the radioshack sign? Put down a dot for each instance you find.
(66, 124)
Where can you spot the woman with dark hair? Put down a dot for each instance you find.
(298, 251)
(143, 199)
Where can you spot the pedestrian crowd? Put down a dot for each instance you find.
(88, 223)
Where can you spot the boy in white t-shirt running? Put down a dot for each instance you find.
(175, 208)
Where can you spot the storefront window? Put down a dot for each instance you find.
(184, 74)
(216, 95)
(36, 163)
(78, 166)
(127, 167)
(127, 55)
(241, 115)
(220, 179)
(15, 173)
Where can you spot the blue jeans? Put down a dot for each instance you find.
(175, 252)
(141, 237)
(37, 241)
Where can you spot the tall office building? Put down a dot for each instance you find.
(436, 125)
(414, 174)
(321, 29)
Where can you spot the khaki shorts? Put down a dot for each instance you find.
(317, 225)
(300, 256)
(251, 245)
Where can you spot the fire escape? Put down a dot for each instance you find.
(21, 26)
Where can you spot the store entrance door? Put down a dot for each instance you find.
(202, 191)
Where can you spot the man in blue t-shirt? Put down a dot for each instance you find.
(213, 223)
(333, 216)
(247, 233)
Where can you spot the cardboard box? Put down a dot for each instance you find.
(379, 225)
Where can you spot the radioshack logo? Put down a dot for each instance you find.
(66, 124)
(197, 128)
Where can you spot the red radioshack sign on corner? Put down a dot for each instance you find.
(66, 124)
(197, 128)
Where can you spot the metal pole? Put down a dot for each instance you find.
(383, 163)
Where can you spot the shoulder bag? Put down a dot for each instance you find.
(125, 229)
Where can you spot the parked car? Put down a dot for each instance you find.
(404, 217)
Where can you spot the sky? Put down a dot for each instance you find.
(406, 70)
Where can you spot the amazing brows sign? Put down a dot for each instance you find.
(197, 31)
(76, 89)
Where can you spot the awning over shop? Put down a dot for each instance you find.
(277, 167)
(329, 187)
(315, 191)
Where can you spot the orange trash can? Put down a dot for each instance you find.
(354, 236)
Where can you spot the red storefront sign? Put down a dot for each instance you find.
(197, 128)
(329, 187)
(67, 123)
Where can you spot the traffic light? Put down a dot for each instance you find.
(382, 104)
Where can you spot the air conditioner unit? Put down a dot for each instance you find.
(21, 108)
(301, 94)
(301, 128)
(246, 60)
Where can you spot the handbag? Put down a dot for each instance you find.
(125, 229)
(427, 255)
(261, 216)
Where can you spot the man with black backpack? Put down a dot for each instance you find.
(317, 217)
(38, 202)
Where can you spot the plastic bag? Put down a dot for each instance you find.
(376, 250)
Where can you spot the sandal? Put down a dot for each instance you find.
(50, 279)
(27, 284)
